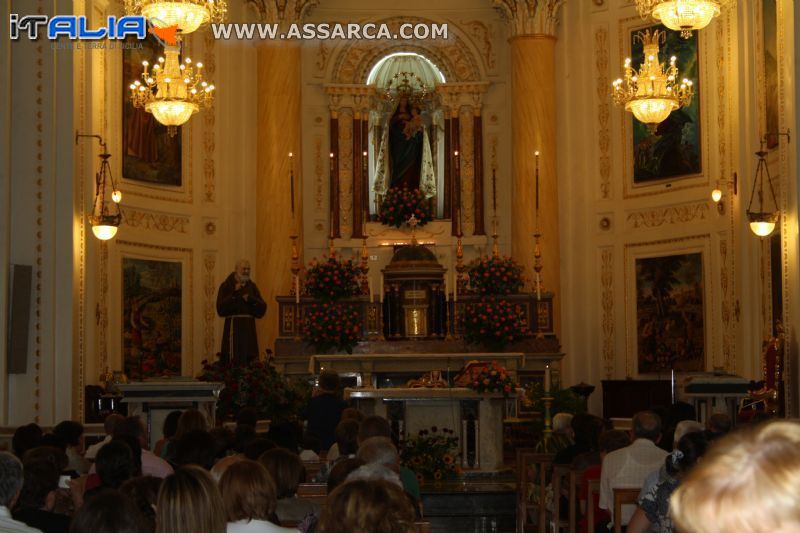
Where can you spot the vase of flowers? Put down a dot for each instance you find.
(491, 378)
(432, 454)
(400, 204)
(493, 323)
(333, 279)
(495, 276)
(257, 385)
(332, 326)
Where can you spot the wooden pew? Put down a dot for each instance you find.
(564, 476)
(623, 496)
(592, 490)
(533, 472)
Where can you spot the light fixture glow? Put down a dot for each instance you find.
(187, 15)
(104, 233)
(762, 221)
(682, 15)
(716, 195)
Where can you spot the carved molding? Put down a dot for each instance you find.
(530, 17)
(210, 309)
(603, 111)
(209, 143)
(345, 160)
(40, 190)
(282, 11)
(454, 57)
(656, 217)
(150, 220)
(319, 176)
(607, 304)
(482, 34)
(467, 169)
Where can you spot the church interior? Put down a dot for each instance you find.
(492, 213)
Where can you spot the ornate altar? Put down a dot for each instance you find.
(413, 294)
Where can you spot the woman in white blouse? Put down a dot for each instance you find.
(249, 495)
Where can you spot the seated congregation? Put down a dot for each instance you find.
(210, 480)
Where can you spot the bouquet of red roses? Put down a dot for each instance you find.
(333, 279)
(495, 275)
(399, 204)
(491, 378)
(332, 326)
(493, 323)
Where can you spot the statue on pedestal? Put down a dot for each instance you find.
(240, 303)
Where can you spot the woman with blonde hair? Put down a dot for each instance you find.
(749, 482)
(249, 497)
(189, 502)
(363, 506)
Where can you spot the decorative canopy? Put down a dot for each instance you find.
(388, 67)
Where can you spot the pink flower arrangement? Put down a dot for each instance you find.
(496, 275)
(493, 323)
(399, 204)
(332, 326)
(333, 279)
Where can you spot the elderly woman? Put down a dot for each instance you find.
(249, 496)
(190, 502)
(374, 506)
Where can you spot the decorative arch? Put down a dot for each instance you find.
(455, 57)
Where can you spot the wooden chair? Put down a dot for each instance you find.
(567, 477)
(314, 492)
(312, 468)
(423, 527)
(623, 496)
(592, 490)
(533, 470)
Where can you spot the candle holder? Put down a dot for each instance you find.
(495, 247)
(537, 264)
(461, 278)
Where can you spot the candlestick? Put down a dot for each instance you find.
(547, 382)
(537, 183)
(458, 222)
(381, 291)
(494, 190)
(538, 288)
(291, 178)
(371, 296)
(455, 289)
(296, 289)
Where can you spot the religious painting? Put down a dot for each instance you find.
(149, 154)
(673, 150)
(670, 318)
(151, 317)
(769, 25)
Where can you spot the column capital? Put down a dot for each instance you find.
(530, 17)
(282, 11)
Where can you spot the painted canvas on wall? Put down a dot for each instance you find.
(669, 313)
(769, 22)
(151, 319)
(149, 154)
(674, 150)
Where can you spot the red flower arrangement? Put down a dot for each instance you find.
(332, 326)
(493, 323)
(257, 385)
(333, 279)
(495, 275)
(399, 204)
(491, 378)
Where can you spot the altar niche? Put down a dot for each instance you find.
(414, 295)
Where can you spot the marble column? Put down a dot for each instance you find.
(278, 134)
(532, 41)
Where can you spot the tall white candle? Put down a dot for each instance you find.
(547, 378)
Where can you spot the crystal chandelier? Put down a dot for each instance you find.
(652, 92)
(172, 91)
(187, 15)
(682, 15)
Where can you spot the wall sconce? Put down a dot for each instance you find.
(762, 221)
(716, 194)
(106, 216)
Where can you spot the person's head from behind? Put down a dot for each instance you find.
(224, 440)
(47, 453)
(40, 485)
(328, 382)
(111, 422)
(115, 464)
(748, 482)
(612, 440)
(256, 447)
(687, 452)
(26, 438)
(190, 502)
(351, 413)
(109, 511)
(70, 432)
(367, 507)
(341, 470)
(718, 424)
(134, 427)
(11, 479)
(286, 435)
(381, 451)
(347, 437)
(586, 429)
(242, 436)
(248, 492)
(191, 420)
(195, 447)
(136, 452)
(646, 425)
(685, 427)
(143, 492)
(374, 426)
(170, 426)
(562, 424)
(286, 469)
(247, 416)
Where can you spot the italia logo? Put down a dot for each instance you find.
(76, 28)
